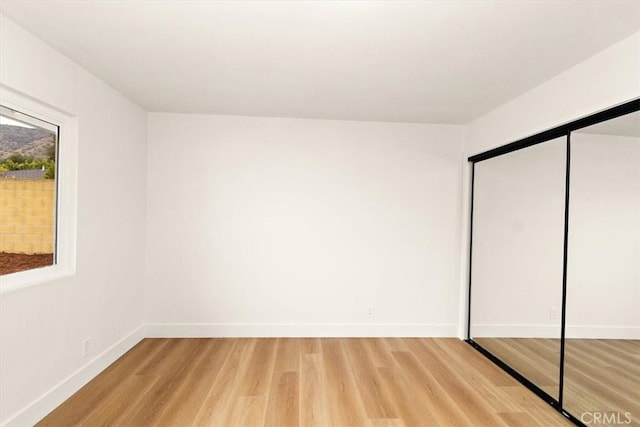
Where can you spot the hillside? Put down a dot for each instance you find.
(29, 142)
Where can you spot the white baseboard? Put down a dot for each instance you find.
(553, 331)
(46, 403)
(255, 330)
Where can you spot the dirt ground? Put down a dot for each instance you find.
(11, 263)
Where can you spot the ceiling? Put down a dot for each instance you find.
(429, 62)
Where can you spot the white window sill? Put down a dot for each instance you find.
(22, 279)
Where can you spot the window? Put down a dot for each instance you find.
(28, 149)
(37, 192)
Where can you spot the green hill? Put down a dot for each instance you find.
(34, 142)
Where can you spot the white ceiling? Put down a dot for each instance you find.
(431, 62)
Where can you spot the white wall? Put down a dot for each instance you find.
(42, 327)
(608, 78)
(266, 226)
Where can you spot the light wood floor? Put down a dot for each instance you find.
(600, 375)
(309, 382)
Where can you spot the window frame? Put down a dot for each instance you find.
(66, 191)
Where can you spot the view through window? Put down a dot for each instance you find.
(28, 148)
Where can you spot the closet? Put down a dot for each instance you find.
(554, 274)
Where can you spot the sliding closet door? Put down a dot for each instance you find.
(517, 259)
(602, 347)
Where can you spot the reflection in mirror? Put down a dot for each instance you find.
(602, 349)
(517, 259)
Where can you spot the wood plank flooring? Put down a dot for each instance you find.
(601, 376)
(371, 382)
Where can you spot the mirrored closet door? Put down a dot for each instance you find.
(554, 273)
(518, 223)
(602, 334)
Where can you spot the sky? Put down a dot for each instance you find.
(11, 122)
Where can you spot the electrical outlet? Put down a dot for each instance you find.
(371, 312)
(554, 314)
(87, 347)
